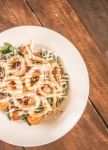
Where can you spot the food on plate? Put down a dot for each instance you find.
(33, 83)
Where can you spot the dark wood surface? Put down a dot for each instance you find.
(5, 146)
(68, 18)
(94, 15)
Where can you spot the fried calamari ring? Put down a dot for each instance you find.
(33, 78)
(27, 101)
(29, 57)
(16, 65)
(13, 85)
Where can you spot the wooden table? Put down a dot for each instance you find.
(85, 24)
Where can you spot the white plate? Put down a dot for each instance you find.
(21, 133)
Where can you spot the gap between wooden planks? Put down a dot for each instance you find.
(90, 124)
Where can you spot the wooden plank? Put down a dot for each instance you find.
(58, 15)
(94, 15)
(5, 146)
(14, 13)
(88, 134)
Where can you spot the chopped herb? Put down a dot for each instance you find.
(37, 110)
(50, 100)
(23, 117)
(65, 76)
(44, 53)
(19, 51)
(50, 57)
(61, 111)
(27, 121)
(65, 86)
(9, 116)
(11, 48)
(9, 94)
(54, 57)
(11, 102)
(59, 60)
(26, 102)
(60, 100)
(7, 48)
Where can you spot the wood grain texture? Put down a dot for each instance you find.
(89, 134)
(59, 16)
(14, 13)
(94, 15)
(5, 146)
